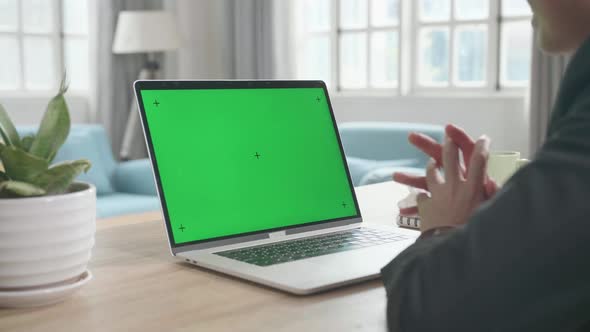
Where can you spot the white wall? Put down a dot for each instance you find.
(207, 54)
(502, 118)
(28, 109)
(207, 50)
(205, 26)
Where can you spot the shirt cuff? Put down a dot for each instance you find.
(435, 232)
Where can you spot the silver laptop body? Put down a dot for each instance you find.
(297, 275)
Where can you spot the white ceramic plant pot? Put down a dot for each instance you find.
(46, 240)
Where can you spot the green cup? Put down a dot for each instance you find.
(503, 164)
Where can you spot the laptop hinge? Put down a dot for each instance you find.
(275, 235)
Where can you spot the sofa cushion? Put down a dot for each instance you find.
(119, 204)
(385, 140)
(83, 145)
(135, 177)
(383, 174)
(86, 142)
(360, 167)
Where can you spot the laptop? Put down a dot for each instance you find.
(254, 183)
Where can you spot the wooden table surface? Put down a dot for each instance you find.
(138, 286)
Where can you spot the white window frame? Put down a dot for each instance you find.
(452, 24)
(408, 29)
(57, 36)
(336, 33)
(501, 20)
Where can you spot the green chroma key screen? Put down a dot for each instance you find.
(235, 161)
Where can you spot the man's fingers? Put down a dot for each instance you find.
(466, 144)
(427, 145)
(411, 211)
(476, 174)
(462, 140)
(451, 161)
(433, 177)
(422, 198)
(491, 187)
(459, 136)
(415, 181)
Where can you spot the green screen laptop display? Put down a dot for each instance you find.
(235, 161)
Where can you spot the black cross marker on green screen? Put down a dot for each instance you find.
(156, 103)
(344, 205)
(182, 228)
(257, 155)
(318, 99)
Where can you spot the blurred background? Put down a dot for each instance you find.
(392, 66)
(466, 62)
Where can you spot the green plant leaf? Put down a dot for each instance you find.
(54, 128)
(27, 141)
(7, 130)
(20, 165)
(58, 177)
(19, 189)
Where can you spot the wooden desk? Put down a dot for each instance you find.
(138, 286)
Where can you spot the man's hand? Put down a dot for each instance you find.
(454, 198)
(433, 149)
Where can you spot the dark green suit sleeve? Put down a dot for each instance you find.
(522, 263)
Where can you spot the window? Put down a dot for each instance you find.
(414, 45)
(516, 42)
(452, 42)
(39, 39)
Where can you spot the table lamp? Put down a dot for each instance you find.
(147, 31)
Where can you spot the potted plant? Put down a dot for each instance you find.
(47, 221)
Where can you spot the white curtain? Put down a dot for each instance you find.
(546, 75)
(253, 39)
(221, 39)
(115, 73)
(228, 39)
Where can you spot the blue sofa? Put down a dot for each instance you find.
(122, 188)
(375, 150)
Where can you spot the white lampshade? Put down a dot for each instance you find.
(146, 31)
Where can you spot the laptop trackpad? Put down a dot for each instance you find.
(337, 268)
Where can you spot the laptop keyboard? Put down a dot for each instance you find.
(292, 250)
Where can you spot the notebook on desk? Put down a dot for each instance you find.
(254, 183)
(412, 222)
